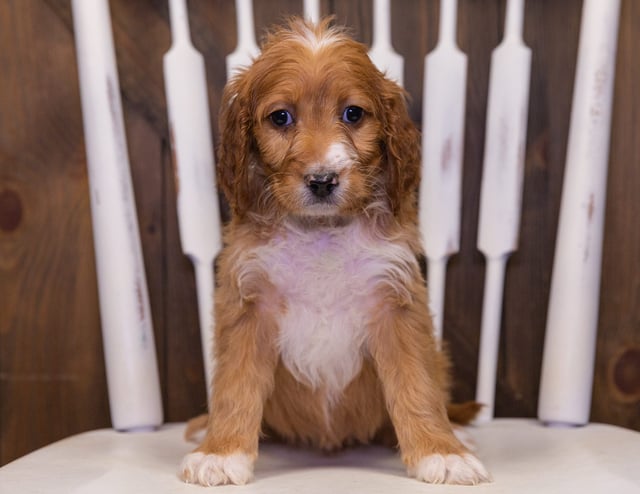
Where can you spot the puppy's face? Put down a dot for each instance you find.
(305, 129)
(316, 130)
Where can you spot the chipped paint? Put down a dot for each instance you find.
(446, 155)
(174, 158)
(591, 207)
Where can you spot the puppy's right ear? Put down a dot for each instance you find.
(234, 169)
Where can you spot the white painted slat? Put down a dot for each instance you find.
(501, 189)
(445, 83)
(382, 53)
(312, 10)
(247, 48)
(194, 166)
(572, 319)
(130, 357)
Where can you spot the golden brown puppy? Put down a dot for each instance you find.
(323, 335)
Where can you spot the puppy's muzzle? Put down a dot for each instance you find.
(323, 184)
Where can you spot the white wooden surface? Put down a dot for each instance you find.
(523, 456)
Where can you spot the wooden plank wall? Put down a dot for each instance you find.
(52, 382)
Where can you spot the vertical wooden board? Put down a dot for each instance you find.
(28, 87)
(414, 32)
(213, 30)
(50, 349)
(272, 13)
(213, 33)
(184, 370)
(142, 36)
(357, 14)
(551, 31)
(616, 391)
(54, 383)
(145, 156)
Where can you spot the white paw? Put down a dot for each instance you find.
(450, 469)
(207, 470)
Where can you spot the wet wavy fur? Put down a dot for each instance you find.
(323, 336)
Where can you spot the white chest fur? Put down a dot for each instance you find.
(328, 279)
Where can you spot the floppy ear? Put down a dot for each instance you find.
(402, 152)
(235, 152)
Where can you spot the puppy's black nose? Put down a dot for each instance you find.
(322, 184)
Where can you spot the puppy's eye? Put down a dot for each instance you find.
(352, 114)
(281, 118)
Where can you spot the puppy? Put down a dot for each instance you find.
(323, 335)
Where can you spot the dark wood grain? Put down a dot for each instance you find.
(553, 39)
(618, 358)
(52, 381)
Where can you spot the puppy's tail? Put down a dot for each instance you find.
(463, 413)
(195, 427)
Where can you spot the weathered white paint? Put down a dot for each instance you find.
(572, 319)
(445, 85)
(130, 357)
(382, 53)
(247, 48)
(193, 161)
(501, 189)
(312, 10)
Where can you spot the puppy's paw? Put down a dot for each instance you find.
(207, 470)
(450, 469)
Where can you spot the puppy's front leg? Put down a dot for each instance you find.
(413, 375)
(243, 381)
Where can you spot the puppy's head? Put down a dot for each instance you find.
(312, 128)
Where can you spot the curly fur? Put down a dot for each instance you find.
(323, 335)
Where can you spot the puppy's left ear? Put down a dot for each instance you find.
(402, 152)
